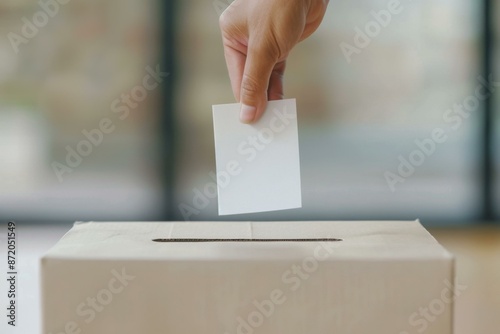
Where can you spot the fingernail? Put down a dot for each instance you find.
(247, 113)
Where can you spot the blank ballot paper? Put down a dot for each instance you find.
(258, 166)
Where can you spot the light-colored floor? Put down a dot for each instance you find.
(478, 266)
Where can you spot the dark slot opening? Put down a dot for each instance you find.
(243, 240)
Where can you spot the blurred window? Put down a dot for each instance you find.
(68, 149)
(360, 119)
(392, 131)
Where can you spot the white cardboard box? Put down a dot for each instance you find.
(383, 278)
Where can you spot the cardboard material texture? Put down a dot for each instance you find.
(382, 277)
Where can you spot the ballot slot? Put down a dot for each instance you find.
(243, 240)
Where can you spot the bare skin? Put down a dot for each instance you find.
(258, 36)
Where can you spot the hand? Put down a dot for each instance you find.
(258, 35)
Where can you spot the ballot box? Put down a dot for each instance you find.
(315, 277)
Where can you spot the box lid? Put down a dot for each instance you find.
(382, 240)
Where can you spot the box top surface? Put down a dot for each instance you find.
(360, 239)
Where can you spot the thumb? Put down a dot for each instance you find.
(259, 65)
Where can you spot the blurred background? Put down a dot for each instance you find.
(68, 72)
(357, 117)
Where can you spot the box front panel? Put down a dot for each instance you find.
(311, 294)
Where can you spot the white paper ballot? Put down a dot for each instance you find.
(258, 166)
